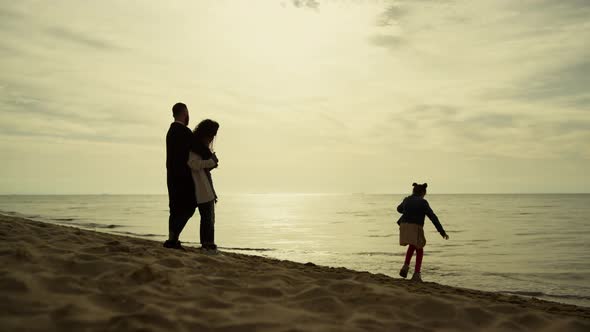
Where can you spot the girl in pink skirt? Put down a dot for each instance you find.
(411, 228)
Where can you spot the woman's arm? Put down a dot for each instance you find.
(196, 163)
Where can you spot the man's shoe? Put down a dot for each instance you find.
(209, 249)
(208, 246)
(172, 245)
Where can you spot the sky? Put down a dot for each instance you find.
(345, 96)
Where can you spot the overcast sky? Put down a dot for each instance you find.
(312, 96)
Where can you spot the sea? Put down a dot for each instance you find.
(533, 245)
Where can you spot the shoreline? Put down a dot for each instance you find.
(110, 228)
(60, 278)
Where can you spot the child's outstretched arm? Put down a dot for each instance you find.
(435, 221)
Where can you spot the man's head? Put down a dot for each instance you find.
(180, 113)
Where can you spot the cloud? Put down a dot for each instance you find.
(45, 123)
(402, 21)
(401, 9)
(410, 89)
(524, 52)
(387, 41)
(76, 37)
(308, 4)
(63, 81)
(8, 14)
(392, 15)
(8, 50)
(491, 121)
(566, 86)
(479, 133)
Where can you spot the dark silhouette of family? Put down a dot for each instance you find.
(190, 160)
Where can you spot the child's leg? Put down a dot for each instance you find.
(409, 254)
(419, 256)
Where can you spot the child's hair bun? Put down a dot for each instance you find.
(414, 184)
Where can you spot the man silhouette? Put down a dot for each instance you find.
(181, 189)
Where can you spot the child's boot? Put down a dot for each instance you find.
(417, 277)
(404, 271)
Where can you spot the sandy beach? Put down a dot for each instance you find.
(57, 278)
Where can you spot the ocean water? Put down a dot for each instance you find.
(530, 245)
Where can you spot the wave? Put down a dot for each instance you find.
(247, 249)
(71, 222)
(542, 294)
(530, 234)
(354, 213)
(540, 275)
(379, 253)
(524, 293)
(137, 234)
